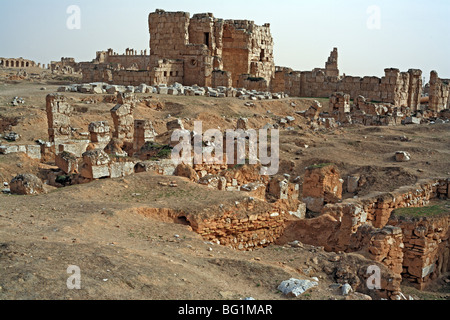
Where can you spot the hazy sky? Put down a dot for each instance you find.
(370, 35)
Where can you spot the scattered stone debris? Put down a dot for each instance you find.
(12, 136)
(26, 184)
(295, 287)
(17, 101)
(346, 289)
(402, 156)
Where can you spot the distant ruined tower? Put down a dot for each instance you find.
(331, 66)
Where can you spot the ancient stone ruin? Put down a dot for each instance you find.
(17, 63)
(202, 50)
(210, 57)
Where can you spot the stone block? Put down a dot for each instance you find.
(34, 152)
(26, 184)
(120, 169)
(402, 156)
(67, 162)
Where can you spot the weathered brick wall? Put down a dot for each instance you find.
(221, 79)
(278, 83)
(93, 72)
(168, 34)
(335, 229)
(426, 248)
(198, 65)
(204, 29)
(141, 62)
(246, 232)
(129, 77)
(251, 83)
(331, 66)
(397, 88)
(379, 209)
(248, 49)
(386, 246)
(321, 185)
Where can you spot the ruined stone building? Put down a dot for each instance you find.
(211, 52)
(196, 50)
(201, 50)
(66, 65)
(17, 63)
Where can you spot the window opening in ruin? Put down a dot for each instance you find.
(207, 39)
(165, 73)
(262, 56)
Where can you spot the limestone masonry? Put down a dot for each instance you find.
(210, 52)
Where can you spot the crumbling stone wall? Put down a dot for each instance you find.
(204, 29)
(123, 118)
(322, 184)
(248, 49)
(59, 112)
(252, 83)
(397, 88)
(414, 248)
(243, 231)
(365, 112)
(143, 132)
(439, 93)
(425, 247)
(386, 246)
(16, 63)
(339, 221)
(221, 79)
(340, 102)
(100, 132)
(132, 59)
(127, 77)
(65, 66)
(331, 66)
(188, 50)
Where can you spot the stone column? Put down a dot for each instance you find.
(143, 132)
(122, 115)
(59, 112)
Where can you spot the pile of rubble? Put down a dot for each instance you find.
(175, 89)
(17, 101)
(361, 111)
